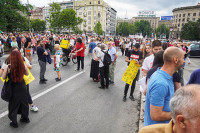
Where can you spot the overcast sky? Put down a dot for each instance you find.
(161, 7)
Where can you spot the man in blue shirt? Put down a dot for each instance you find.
(161, 88)
(113, 54)
(195, 77)
(91, 47)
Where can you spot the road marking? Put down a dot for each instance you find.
(48, 90)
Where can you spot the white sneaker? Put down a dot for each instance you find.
(34, 108)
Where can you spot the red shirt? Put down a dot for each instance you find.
(78, 46)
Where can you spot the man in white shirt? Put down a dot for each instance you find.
(148, 62)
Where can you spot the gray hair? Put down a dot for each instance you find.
(184, 102)
(102, 46)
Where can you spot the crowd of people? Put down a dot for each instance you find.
(162, 65)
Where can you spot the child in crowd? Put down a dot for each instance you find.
(57, 60)
(14, 42)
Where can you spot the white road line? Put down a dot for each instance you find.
(48, 90)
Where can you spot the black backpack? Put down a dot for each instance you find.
(107, 59)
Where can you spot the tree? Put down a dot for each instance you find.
(55, 16)
(190, 31)
(98, 29)
(162, 29)
(143, 27)
(38, 25)
(11, 18)
(125, 29)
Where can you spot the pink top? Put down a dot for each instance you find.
(33, 41)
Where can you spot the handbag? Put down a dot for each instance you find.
(6, 91)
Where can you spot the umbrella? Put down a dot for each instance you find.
(1, 32)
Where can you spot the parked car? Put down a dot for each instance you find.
(195, 49)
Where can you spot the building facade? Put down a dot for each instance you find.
(120, 20)
(167, 23)
(94, 11)
(152, 20)
(182, 16)
(37, 13)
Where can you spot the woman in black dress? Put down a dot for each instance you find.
(18, 104)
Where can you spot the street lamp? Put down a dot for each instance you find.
(77, 19)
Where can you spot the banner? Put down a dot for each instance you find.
(64, 44)
(131, 72)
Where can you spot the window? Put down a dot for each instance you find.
(89, 8)
(188, 19)
(183, 20)
(179, 15)
(188, 14)
(178, 25)
(89, 28)
(182, 24)
(89, 22)
(90, 3)
(98, 2)
(193, 19)
(80, 13)
(179, 20)
(89, 17)
(184, 15)
(194, 14)
(94, 7)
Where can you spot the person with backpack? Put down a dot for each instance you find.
(113, 54)
(102, 56)
(134, 54)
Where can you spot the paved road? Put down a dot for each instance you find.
(77, 105)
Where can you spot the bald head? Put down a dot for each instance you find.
(186, 102)
(171, 53)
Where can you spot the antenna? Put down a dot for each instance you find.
(126, 15)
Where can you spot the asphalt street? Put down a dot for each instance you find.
(76, 104)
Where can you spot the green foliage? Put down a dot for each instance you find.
(11, 19)
(55, 16)
(38, 25)
(98, 29)
(162, 29)
(125, 29)
(190, 31)
(143, 27)
(63, 19)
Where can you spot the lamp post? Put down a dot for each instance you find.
(77, 20)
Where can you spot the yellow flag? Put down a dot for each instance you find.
(64, 44)
(131, 72)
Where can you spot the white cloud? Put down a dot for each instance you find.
(161, 7)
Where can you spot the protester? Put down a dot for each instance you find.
(113, 54)
(189, 48)
(147, 51)
(104, 70)
(136, 55)
(161, 88)
(94, 71)
(80, 50)
(157, 63)
(194, 77)
(18, 41)
(91, 47)
(123, 47)
(14, 42)
(27, 48)
(42, 61)
(185, 114)
(57, 61)
(127, 47)
(148, 62)
(19, 100)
